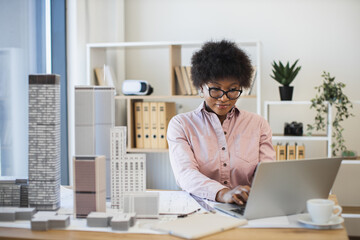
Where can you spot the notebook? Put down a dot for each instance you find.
(282, 188)
(198, 225)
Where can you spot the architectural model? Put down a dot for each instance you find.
(44, 141)
(120, 222)
(117, 220)
(10, 214)
(43, 221)
(94, 116)
(89, 185)
(13, 192)
(98, 219)
(144, 204)
(128, 171)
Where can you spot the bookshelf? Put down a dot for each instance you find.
(155, 62)
(320, 137)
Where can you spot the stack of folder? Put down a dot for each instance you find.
(151, 121)
(289, 151)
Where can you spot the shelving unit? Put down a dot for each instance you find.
(281, 137)
(120, 57)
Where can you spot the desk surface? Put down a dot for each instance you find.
(236, 233)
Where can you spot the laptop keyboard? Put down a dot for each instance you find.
(239, 210)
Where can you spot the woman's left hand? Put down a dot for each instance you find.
(238, 195)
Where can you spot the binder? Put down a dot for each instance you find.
(166, 110)
(180, 81)
(276, 153)
(290, 152)
(139, 141)
(300, 152)
(281, 152)
(99, 74)
(186, 80)
(193, 88)
(146, 124)
(154, 125)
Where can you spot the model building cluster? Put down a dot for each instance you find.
(101, 166)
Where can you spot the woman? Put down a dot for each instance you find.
(214, 150)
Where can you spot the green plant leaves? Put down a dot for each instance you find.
(331, 92)
(284, 74)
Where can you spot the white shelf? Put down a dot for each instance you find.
(300, 138)
(98, 55)
(158, 44)
(326, 137)
(286, 102)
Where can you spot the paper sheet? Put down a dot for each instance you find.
(177, 202)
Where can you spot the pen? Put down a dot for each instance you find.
(187, 214)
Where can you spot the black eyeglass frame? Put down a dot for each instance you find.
(223, 92)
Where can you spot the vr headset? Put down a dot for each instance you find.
(136, 87)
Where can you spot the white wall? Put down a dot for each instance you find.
(323, 34)
(88, 21)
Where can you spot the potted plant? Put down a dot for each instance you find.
(331, 92)
(284, 74)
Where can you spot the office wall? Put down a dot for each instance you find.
(323, 34)
(88, 21)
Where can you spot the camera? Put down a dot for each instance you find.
(293, 129)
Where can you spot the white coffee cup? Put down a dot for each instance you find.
(321, 210)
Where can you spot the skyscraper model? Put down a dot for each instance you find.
(89, 185)
(94, 116)
(128, 171)
(44, 141)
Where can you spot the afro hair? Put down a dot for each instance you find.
(220, 60)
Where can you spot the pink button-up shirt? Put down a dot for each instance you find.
(206, 156)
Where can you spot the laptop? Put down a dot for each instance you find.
(282, 188)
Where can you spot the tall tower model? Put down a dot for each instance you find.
(128, 171)
(94, 116)
(44, 141)
(89, 185)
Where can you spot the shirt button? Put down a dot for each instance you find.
(224, 164)
(223, 148)
(225, 133)
(225, 182)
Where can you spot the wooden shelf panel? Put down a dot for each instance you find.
(146, 150)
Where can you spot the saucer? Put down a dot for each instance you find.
(306, 219)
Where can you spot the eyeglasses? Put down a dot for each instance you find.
(218, 93)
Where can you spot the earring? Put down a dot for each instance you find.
(201, 94)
